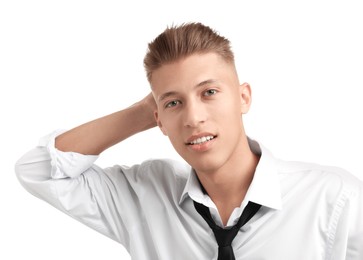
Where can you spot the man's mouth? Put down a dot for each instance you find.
(201, 140)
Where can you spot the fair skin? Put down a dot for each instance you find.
(199, 96)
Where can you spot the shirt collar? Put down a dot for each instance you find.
(264, 189)
(195, 192)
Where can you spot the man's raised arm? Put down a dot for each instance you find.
(68, 179)
(94, 137)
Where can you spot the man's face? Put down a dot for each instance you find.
(200, 102)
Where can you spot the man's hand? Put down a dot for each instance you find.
(149, 104)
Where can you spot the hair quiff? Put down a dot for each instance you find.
(178, 42)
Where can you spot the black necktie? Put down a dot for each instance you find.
(224, 237)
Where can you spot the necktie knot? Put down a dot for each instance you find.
(224, 237)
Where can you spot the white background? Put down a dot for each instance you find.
(63, 63)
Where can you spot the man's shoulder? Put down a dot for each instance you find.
(166, 176)
(319, 174)
(165, 168)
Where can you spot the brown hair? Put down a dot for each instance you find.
(178, 42)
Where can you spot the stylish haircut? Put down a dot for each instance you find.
(178, 42)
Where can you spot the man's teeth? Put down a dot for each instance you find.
(202, 139)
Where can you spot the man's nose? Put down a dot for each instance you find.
(194, 114)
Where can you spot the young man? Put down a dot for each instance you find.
(232, 200)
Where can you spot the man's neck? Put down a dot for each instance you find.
(228, 185)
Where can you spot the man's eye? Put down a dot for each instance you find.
(210, 92)
(172, 103)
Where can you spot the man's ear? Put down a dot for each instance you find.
(156, 115)
(246, 98)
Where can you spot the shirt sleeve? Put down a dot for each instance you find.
(347, 240)
(65, 164)
(72, 183)
(355, 237)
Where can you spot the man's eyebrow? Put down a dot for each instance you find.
(166, 95)
(172, 93)
(206, 82)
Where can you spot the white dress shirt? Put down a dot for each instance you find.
(308, 212)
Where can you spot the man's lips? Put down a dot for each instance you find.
(200, 138)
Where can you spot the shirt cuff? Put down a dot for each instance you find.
(65, 164)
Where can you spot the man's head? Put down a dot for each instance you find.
(198, 95)
(178, 42)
